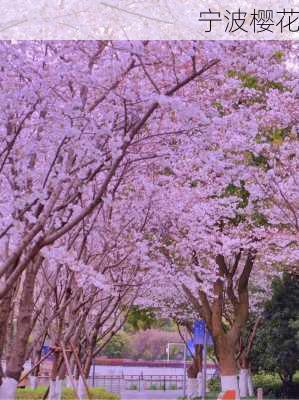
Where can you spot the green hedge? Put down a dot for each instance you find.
(273, 387)
(270, 383)
(68, 394)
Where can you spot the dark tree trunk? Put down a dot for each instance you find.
(16, 358)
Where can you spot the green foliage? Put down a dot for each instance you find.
(294, 324)
(259, 219)
(253, 82)
(276, 135)
(232, 73)
(173, 386)
(133, 386)
(118, 346)
(31, 394)
(275, 85)
(167, 171)
(153, 387)
(141, 319)
(278, 55)
(270, 383)
(257, 160)
(219, 107)
(273, 387)
(243, 195)
(214, 385)
(68, 394)
(276, 347)
(250, 81)
(194, 183)
(209, 396)
(239, 191)
(260, 161)
(98, 393)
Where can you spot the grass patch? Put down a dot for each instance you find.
(68, 394)
(212, 396)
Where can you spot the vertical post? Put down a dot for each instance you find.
(204, 364)
(93, 372)
(184, 381)
(260, 394)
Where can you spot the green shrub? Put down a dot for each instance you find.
(153, 387)
(133, 386)
(68, 394)
(173, 386)
(214, 385)
(274, 389)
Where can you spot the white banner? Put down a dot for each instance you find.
(149, 19)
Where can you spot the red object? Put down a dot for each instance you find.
(228, 395)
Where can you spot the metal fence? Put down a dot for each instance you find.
(113, 384)
(132, 383)
(140, 383)
(153, 382)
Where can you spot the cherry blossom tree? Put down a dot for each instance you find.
(121, 161)
(79, 117)
(219, 221)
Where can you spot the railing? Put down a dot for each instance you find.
(139, 383)
(153, 382)
(143, 382)
(113, 384)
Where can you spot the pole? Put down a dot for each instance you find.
(93, 372)
(81, 371)
(260, 393)
(69, 370)
(184, 381)
(204, 366)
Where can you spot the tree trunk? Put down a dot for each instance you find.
(57, 373)
(200, 383)
(193, 372)
(243, 382)
(225, 349)
(246, 385)
(15, 359)
(59, 381)
(5, 308)
(225, 340)
(250, 385)
(68, 383)
(56, 386)
(33, 381)
(87, 363)
(59, 386)
(73, 368)
(8, 389)
(81, 389)
(35, 358)
(52, 392)
(244, 376)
